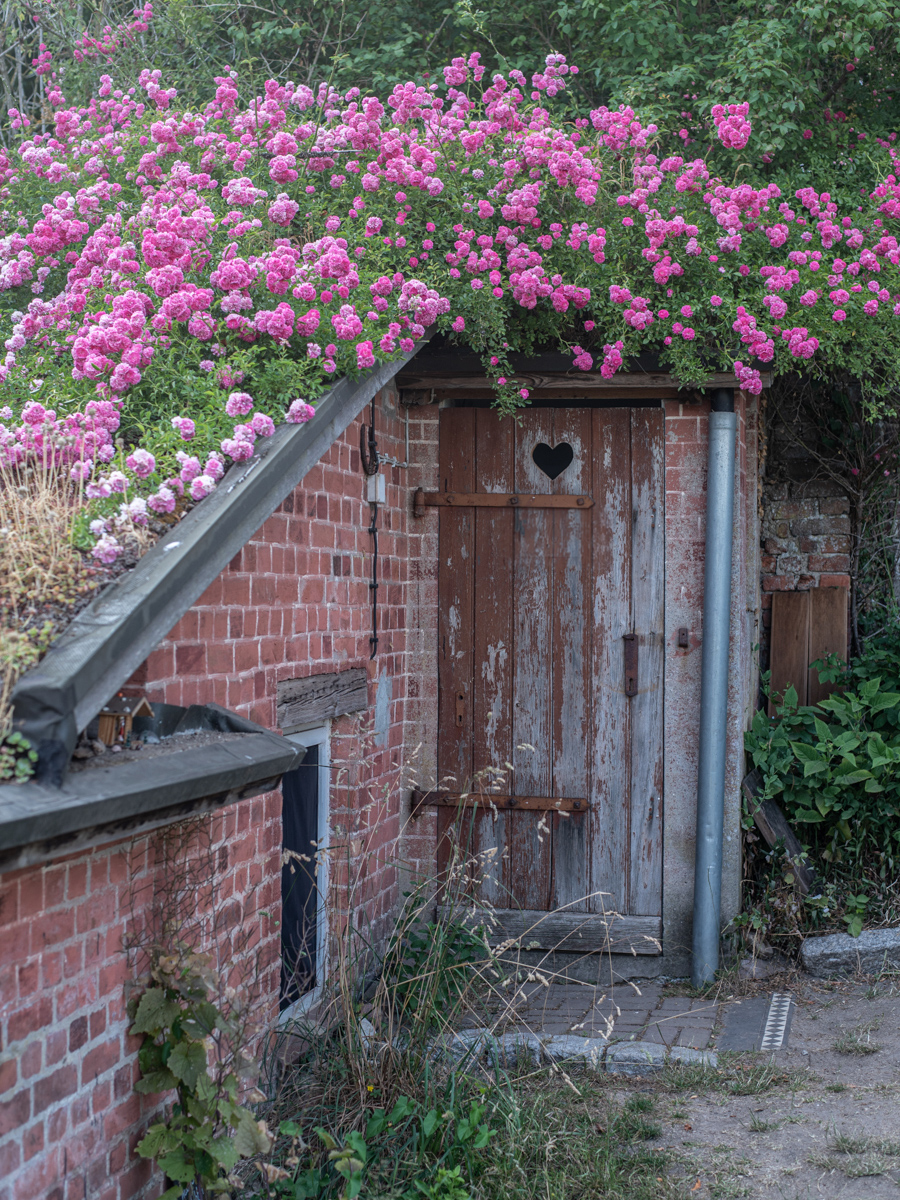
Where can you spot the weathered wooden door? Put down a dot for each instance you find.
(551, 669)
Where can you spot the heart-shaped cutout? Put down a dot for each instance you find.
(552, 460)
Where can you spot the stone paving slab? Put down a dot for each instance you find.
(623, 1014)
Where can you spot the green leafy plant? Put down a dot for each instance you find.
(436, 1142)
(429, 967)
(348, 1160)
(447, 1185)
(19, 650)
(835, 768)
(856, 913)
(196, 1046)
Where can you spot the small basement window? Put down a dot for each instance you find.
(304, 873)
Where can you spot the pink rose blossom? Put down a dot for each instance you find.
(107, 550)
(202, 486)
(299, 412)
(238, 404)
(141, 462)
(185, 427)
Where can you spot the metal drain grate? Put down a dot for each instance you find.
(778, 1019)
(757, 1023)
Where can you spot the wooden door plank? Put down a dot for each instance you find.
(504, 803)
(789, 646)
(455, 614)
(583, 933)
(493, 643)
(827, 635)
(611, 619)
(644, 884)
(571, 662)
(529, 833)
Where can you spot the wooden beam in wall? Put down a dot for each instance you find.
(789, 646)
(320, 697)
(581, 932)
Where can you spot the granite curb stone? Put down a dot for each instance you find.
(635, 1058)
(838, 954)
(622, 1058)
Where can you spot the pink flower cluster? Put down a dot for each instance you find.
(732, 124)
(270, 242)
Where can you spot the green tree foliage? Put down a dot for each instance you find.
(818, 74)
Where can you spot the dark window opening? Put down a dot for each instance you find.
(299, 892)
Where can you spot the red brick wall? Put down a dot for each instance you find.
(69, 1118)
(295, 601)
(686, 467)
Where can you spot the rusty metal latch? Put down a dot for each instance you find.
(437, 798)
(631, 664)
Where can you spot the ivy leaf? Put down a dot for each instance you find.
(154, 1140)
(155, 1012)
(178, 1166)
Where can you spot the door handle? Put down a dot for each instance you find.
(631, 664)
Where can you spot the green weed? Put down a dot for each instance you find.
(858, 1040)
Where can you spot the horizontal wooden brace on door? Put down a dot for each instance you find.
(441, 799)
(423, 500)
(586, 933)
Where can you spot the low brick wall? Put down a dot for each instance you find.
(69, 1117)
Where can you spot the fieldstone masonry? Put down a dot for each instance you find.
(805, 540)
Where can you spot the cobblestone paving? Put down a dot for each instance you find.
(640, 1013)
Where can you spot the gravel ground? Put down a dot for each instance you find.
(829, 1127)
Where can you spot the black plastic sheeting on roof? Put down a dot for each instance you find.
(38, 821)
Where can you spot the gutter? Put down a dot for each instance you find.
(108, 640)
(100, 804)
(714, 687)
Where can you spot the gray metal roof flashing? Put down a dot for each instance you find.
(109, 639)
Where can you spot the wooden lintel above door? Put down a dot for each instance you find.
(440, 799)
(497, 500)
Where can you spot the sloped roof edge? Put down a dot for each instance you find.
(110, 638)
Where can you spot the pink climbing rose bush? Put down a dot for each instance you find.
(173, 278)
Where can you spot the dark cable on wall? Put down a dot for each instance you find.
(368, 450)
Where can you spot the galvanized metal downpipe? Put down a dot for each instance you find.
(714, 687)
